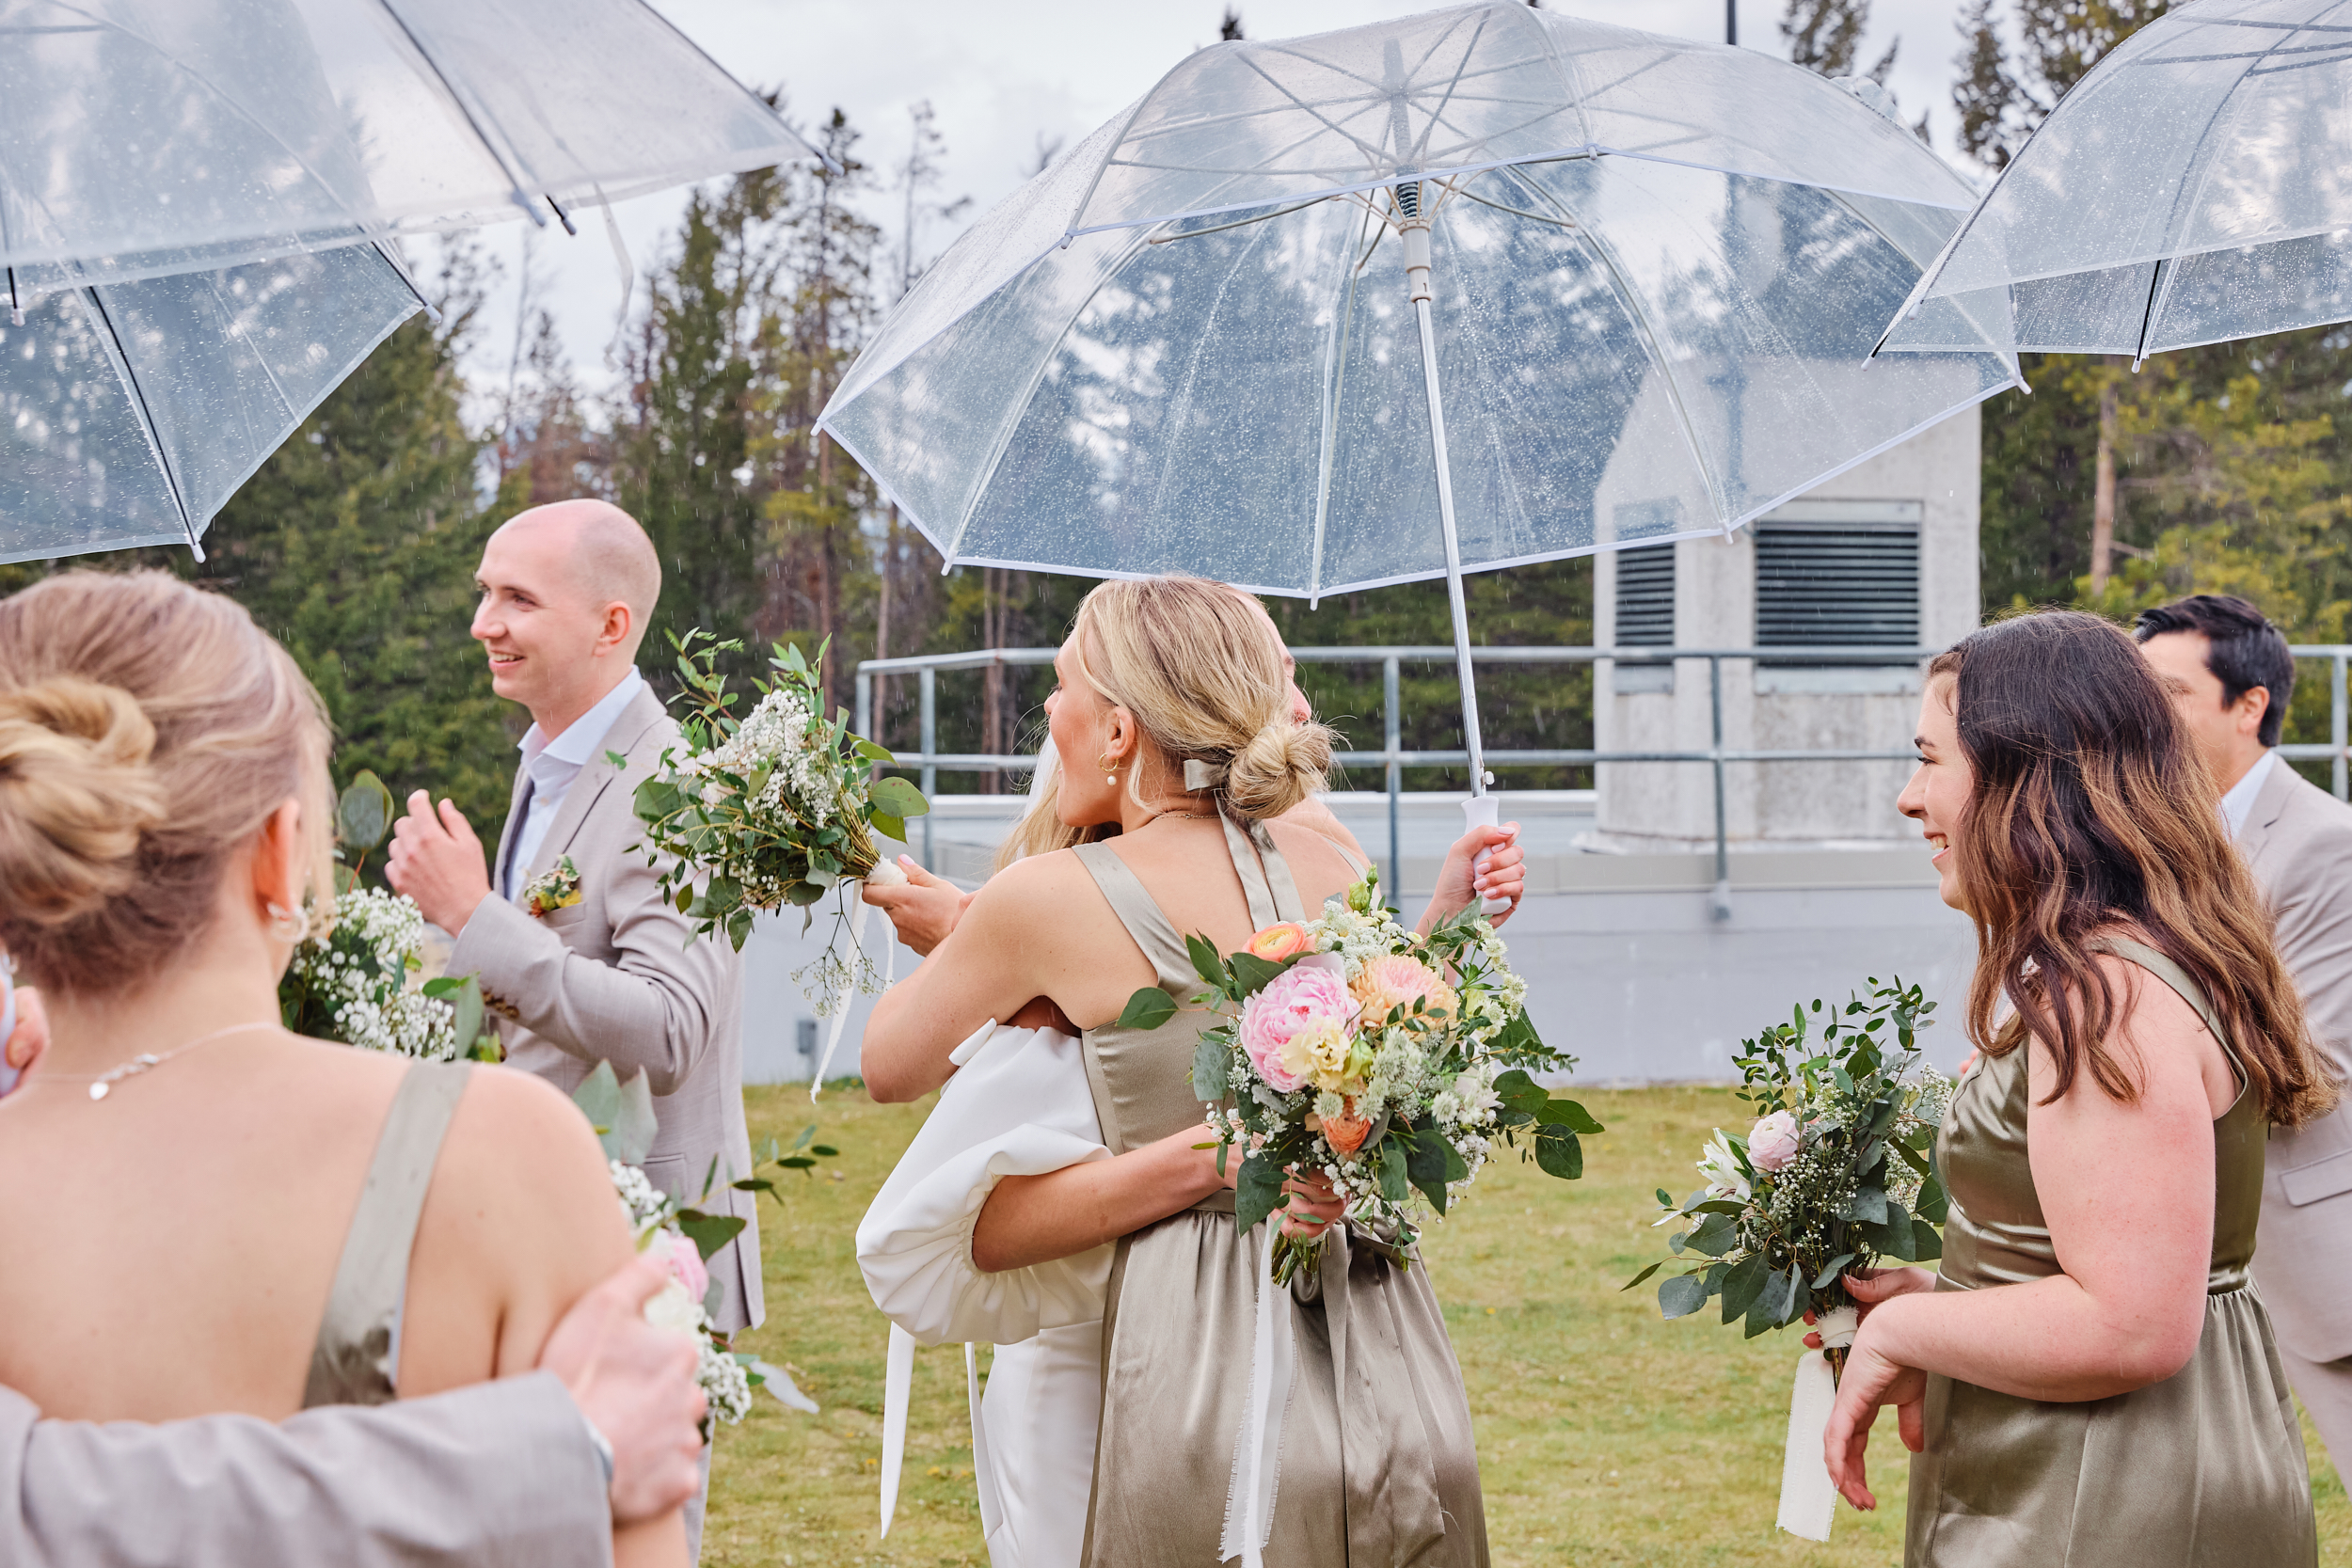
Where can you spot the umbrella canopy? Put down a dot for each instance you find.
(1624, 286)
(2196, 187)
(139, 137)
(1658, 269)
(129, 412)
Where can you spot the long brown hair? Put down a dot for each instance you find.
(2090, 815)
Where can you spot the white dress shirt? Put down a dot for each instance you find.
(2238, 800)
(554, 764)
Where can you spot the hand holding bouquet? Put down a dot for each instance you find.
(775, 807)
(1385, 1063)
(1838, 1172)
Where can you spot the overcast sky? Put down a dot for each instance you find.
(1001, 75)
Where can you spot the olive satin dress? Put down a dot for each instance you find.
(1376, 1463)
(2203, 1470)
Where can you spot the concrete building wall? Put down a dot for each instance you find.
(1934, 478)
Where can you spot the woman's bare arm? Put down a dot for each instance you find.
(1011, 945)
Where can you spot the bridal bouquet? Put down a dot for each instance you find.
(1386, 1062)
(774, 807)
(1836, 1174)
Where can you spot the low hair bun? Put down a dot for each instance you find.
(77, 794)
(1277, 768)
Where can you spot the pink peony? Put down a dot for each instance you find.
(1772, 1143)
(1301, 1000)
(685, 1261)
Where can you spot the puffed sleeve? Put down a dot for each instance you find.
(1018, 1106)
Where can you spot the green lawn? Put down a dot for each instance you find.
(1605, 1437)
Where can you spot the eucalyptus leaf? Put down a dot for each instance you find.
(1521, 1093)
(1935, 1205)
(1716, 1236)
(1925, 1245)
(1639, 1277)
(1831, 1269)
(1148, 1008)
(1426, 1165)
(363, 814)
(889, 827)
(708, 1232)
(898, 798)
(1558, 1152)
(468, 1010)
(1570, 1115)
(1744, 1285)
(1253, 972)
(1212, 1061)
(599, 1098)
(1257, 1190)
(1205, 963)
(1869, 1205)
(1781, 1300)
(1681, 1296)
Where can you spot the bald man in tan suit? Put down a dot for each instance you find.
(2230, 677)
(608, 970)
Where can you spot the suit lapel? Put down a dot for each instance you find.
(642, 713)
(2270, 803)
(515, 805)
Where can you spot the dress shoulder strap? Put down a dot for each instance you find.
(2175, 975)
(356, 1356)
(1265, 876)
(1140, 913)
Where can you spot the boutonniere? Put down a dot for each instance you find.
(556, 888)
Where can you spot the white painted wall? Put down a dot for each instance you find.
(1669, 805)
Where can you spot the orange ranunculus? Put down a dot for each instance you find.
(1346, 1132)
(1277, 942)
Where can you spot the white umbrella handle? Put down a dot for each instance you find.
(1483, 811)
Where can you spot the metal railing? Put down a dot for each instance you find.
(1393, 759)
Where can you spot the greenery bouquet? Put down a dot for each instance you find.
(353, 975)
(775, 807)
(1386, 1062)
(1837, 1173)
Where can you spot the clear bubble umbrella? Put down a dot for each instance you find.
(2196, 187)
(139, 137)
(1485, 286)
(131, 411)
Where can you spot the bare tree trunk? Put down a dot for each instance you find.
(2102, 495)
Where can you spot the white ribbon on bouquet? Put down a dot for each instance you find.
(1808, 1500)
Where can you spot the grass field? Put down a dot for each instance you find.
(1605, 1437)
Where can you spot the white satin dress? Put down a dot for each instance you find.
(1018, 1106)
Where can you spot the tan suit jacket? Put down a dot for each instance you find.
(615, 979)
(501, 1473)
(2297, 838)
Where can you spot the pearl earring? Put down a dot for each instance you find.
(289, 926)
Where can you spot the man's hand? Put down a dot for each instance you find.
(923, 908)
(438, 860)
(635, 1382)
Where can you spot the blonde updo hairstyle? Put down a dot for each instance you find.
(1191, 659)
(147, 730)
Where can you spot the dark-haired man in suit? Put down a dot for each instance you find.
(2231, 675)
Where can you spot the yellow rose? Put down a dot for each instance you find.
(1320, 1053)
